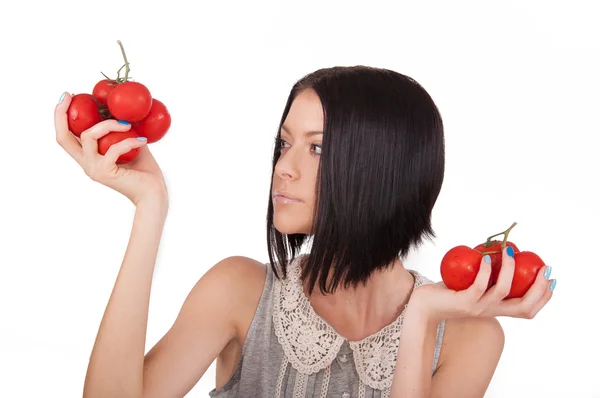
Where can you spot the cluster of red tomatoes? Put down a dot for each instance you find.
(123, 100)
(460, 265)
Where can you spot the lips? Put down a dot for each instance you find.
(284, 197)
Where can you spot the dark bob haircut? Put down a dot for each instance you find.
(380, 173)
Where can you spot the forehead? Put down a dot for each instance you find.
(306, 113)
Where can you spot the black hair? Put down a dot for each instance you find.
(381, 170)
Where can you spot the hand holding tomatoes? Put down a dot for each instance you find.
(123, 100)
(99, 149)
(438, 302)
(461, 264)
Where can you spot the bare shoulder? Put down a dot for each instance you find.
(229, 284)
(237, 280)
(212, 316)
(240, 272)
(471, 350)
(462, 333)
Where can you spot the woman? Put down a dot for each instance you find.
(357, 168)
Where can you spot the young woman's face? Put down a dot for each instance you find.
(295, 176)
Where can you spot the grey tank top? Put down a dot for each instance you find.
(292, 352)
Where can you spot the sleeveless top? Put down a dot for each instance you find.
(292, 352)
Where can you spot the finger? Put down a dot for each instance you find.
(507, 270)
(505, 277)
(122, 147)
(479, 286)
(64, 137)
(539, 287)
(528, 306)
(90, 137)
(541, 303)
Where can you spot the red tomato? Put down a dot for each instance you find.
(460, 266)
(495, 245)
(102, 89)
(130, 101)
(106, 141)
(82, 113)
(156, 124)
(527, 266)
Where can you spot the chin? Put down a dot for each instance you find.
(290, 225)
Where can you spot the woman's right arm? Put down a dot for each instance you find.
(204, 326)
(218, 309)
(116, 364)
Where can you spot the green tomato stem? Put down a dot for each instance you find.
(120, 79)
(501, 233)
(506, 235)
(492, 252)
(126, 62)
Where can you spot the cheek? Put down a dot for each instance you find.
(313, 182)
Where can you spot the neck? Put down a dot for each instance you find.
(366, 309)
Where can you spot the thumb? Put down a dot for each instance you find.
(64, 101)
(60, 112)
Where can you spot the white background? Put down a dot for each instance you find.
(517, 83)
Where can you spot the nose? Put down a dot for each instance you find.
(287, 165)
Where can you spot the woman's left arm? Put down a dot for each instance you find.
(477, 345)
(477, 338)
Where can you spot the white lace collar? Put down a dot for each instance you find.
(311, 344)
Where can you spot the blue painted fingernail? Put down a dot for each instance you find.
(510, 251)
(123, 122)
(62, 97)
(552, 285)
(141, 138)
(548, 272)
(487, 259)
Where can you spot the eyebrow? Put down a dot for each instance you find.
(308, 133)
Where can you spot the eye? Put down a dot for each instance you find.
(317, 148)
(279, 143)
